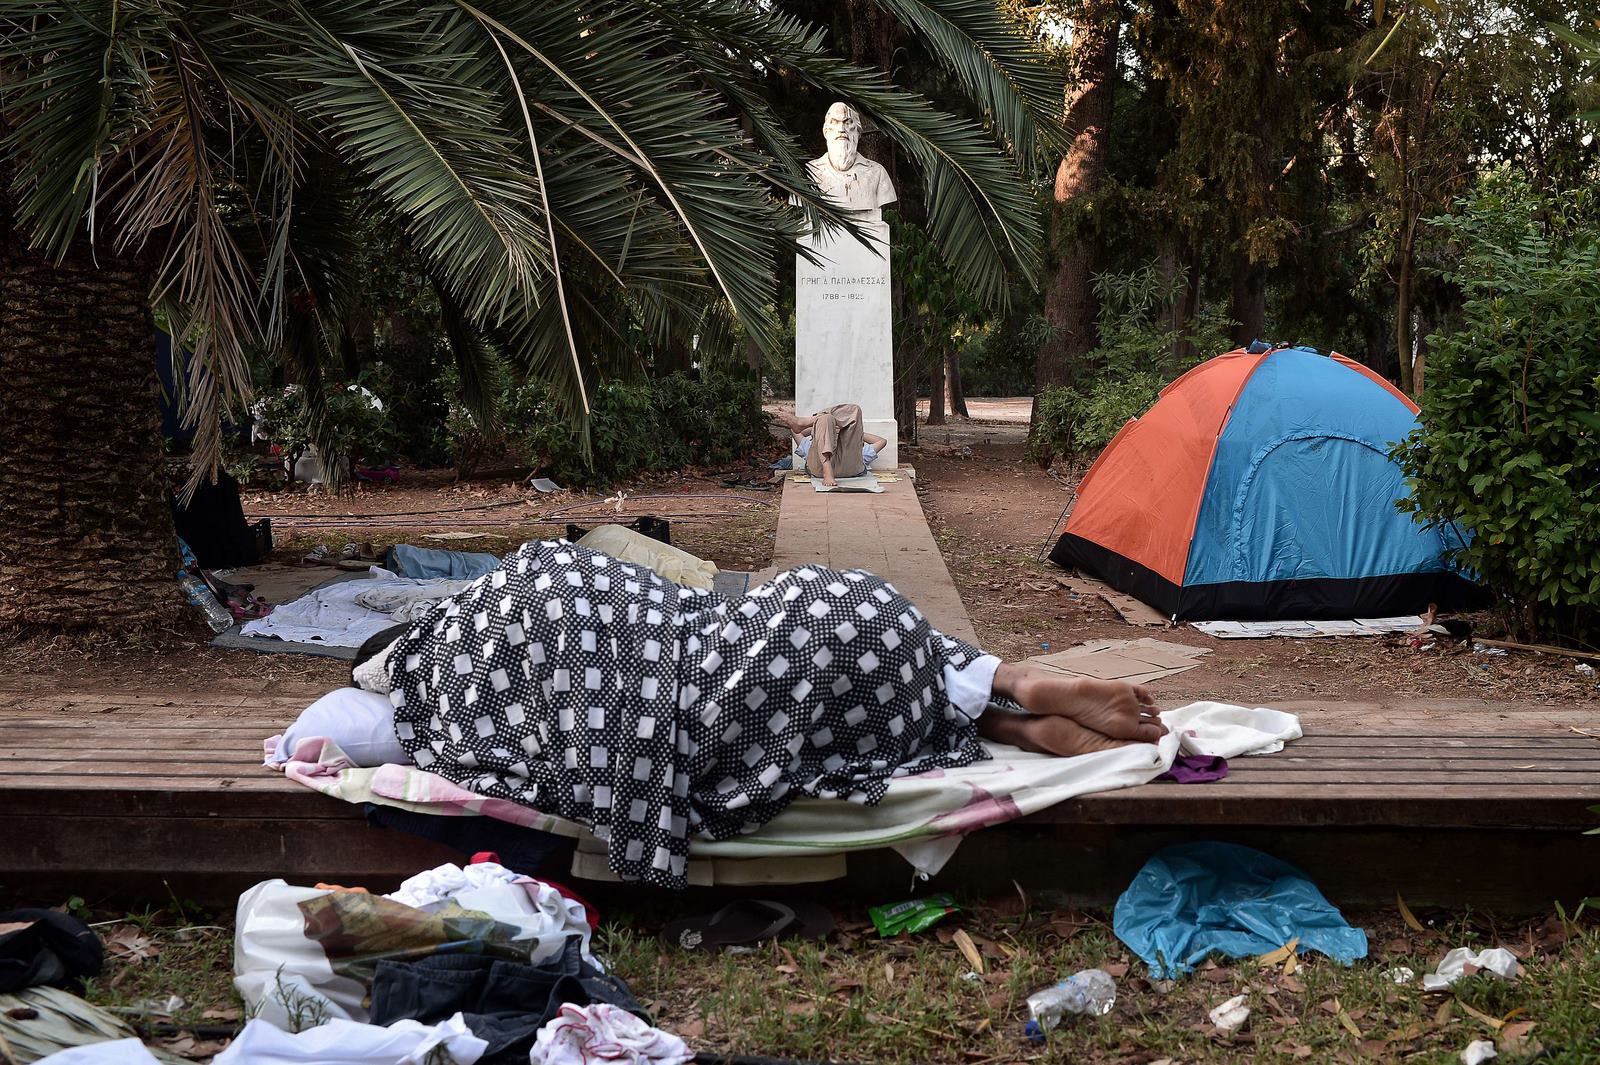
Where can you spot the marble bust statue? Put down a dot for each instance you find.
(848, 178)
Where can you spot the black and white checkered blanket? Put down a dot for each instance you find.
(593, 689)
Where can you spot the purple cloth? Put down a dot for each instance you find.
(1196, 769)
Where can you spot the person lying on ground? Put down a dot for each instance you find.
(871, 445)
(592, 689)
(837, 436)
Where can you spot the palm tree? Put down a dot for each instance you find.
(556, 167)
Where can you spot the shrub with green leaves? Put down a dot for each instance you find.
(634, 428)
(1509, 448)
(1135, 360)
(362, 432)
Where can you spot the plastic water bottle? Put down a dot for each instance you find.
(1089, 993)
(218, 616)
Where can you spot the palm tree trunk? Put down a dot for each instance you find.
(86, 538)
(1069, 303)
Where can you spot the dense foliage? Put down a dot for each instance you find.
(652, 426)
(1142, 349)
(1510, 445)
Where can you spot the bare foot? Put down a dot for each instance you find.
(1059, 736)
(1113, 708)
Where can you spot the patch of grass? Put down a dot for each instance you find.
(159, 953)
(862, 999)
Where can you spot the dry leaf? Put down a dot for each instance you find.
(1441, 1016)
(1289, 983)
(983, 1026)
(130, 945)
(845, 983)
(1348, 1024)
(1284, 952)
(789, 969)
(888, 971)
(1216, 976)
(1406, 915)
(969, 950)
(1290, 964)
(1115, 969)
(1374, 1048)
(800, 1009)
(1397, 946)
(1296, 1050)
(1414, 1030)
(693, 1029)
(231, 1013)
(1493, 1022)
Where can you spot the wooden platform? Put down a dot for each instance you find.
(1471, 802)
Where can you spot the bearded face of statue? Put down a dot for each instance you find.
(841, 130)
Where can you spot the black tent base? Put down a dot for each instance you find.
(1320, 599)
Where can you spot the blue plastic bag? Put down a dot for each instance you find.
(1195, 899)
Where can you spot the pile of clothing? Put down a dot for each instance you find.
(471, 965)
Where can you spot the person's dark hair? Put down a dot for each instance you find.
(375, 644)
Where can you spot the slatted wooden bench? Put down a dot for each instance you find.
(1463, 804)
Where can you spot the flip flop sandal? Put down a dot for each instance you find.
(749, 921)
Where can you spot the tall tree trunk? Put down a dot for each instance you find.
(958, 395)
(1248, 304)
(1402, 326)
(86, 538)
(1069, 303)
(936, 389)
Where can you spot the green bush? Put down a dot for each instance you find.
(1509, 448)
(1133, 363)
(363, 434)
(634, 428)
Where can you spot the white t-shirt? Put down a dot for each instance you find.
(868, 452)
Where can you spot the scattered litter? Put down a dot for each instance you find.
(1231, 1014)
(971, 976)
(913, 915)
(1478, 1051)
(1400, 974)
(1483, 649)
(1191, 900)
(544, 484)
(1456, 964)
(1089, 993)
(1584, 669)
(1260, 630)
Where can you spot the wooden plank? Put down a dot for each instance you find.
(66, 777)
(310, 850)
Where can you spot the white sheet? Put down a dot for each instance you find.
(331, 616)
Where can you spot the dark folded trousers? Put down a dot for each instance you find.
(504, 1002)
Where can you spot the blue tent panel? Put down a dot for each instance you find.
(1302, 487)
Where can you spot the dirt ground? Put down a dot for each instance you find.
(993, 513)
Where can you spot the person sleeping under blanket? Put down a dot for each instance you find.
(592, 689)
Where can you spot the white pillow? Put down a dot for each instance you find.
(360, 722)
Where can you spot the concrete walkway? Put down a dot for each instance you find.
(884, 533)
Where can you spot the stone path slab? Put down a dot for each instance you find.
(885, 533)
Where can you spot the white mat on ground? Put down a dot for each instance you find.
(865, 482)
(1260, 630)
(336, 615)
(923, 817)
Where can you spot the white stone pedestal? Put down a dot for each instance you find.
(844, 343)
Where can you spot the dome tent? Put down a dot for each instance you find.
(1259, 486)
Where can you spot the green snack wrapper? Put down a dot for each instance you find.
(913, 915)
